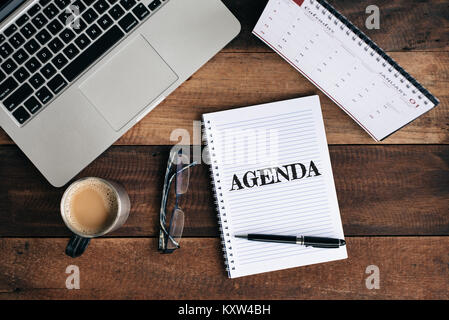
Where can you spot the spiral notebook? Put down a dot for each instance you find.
(272, 174)
(344, 64)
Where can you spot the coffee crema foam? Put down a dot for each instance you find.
(91, 206)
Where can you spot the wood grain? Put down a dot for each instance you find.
(405, 25)
(382, 190)
(232, 80)
(410, 268)
(394, 199)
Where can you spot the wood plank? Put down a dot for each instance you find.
(410, 268)
(382, 190)
(235, 80)
(404, 24)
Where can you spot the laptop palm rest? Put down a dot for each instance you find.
(128, 82)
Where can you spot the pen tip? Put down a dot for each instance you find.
(342, 242)
(240, 236)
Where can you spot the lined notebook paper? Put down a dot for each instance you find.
(272, 174)
(344, 64)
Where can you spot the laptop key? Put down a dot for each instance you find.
(21, 115)
(79, 25)
(101, 6)
(88, 2)
(93, 32)
(21, 74)
(55, 45)
(140, 11)
(31, 46)
(34, 9)
(48, 71)
(67, 35)
(128, 22)
(51, 11)
(33, 65)
(66, 18)
(7, 87)
(90, 15)
(10, 30)
(105, 21)
(44, 55)
(82, 41)
(5, 50)
(16, 40)
(20, 56)
(78, 4)
(44, 95)
(2, 38)
(116, 12)
(39, 21)
(43, 3)
(92, 53)
(71, 51)
(9, 66)
(2, 76)
(28, 30)
(154, 4)
(22, 20)
(57, 84)
(128, 4)
(18, 96)
(43, 37)
(59, 61)
(54, 27)
(62, 3)
(37, 80)
(32, 105)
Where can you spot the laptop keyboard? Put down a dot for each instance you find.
(50, 45)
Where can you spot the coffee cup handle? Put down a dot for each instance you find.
(76, 246)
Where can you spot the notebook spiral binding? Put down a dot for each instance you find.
(218, 199)
(331, 12)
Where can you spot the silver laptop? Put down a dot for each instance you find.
(76, 75)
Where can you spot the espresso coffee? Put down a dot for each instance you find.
(90, 206)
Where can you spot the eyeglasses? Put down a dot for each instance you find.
(172, 223)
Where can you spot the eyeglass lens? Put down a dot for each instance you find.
(182, 176)
(176, 227)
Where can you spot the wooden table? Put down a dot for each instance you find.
(394, 196)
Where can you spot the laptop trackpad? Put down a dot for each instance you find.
(128, 82)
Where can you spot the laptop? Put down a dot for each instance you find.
(76, 75)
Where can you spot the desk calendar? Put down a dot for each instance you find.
(345, 64)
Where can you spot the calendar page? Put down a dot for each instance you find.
(345, 64)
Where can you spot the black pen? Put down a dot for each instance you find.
(316, 242)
